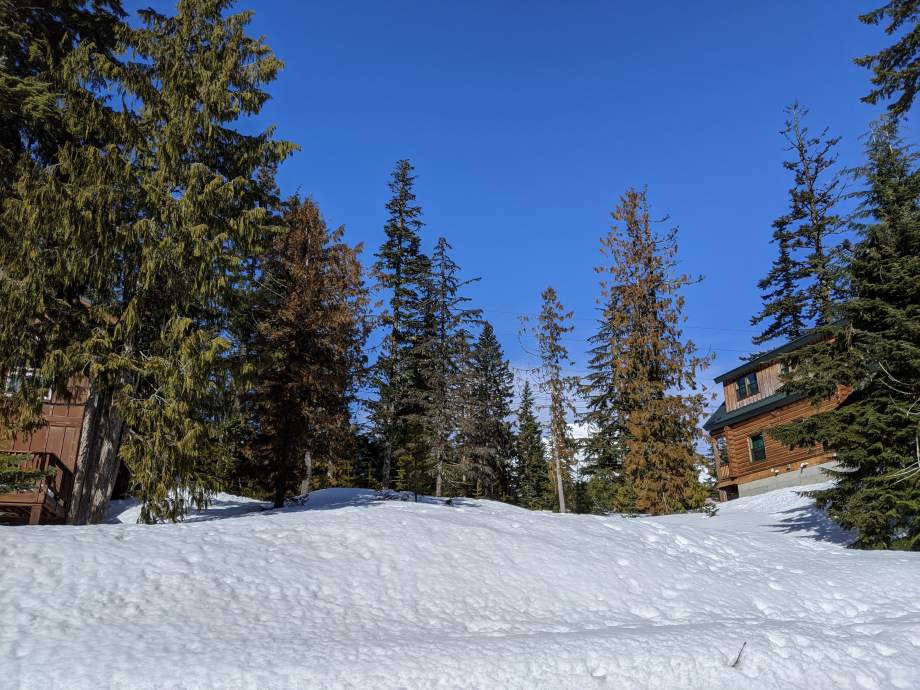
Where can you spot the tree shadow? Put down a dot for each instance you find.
(811, 523)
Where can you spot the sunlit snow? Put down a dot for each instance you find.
(352, 592)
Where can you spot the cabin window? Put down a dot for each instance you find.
(758, 452)
(746, 386)
(783, 368)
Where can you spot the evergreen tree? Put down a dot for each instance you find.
(150, 216)
(803, 287)
(637, 393)
(37, 45)
(490, 436)
(442, 357)
(402, 269)
(560, 389)
(312, 345)
(896, 68)
(603, 448)
(532, 478)
(874, 432)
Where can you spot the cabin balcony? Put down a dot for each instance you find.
(48, 502)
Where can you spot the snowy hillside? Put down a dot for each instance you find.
(348, 592)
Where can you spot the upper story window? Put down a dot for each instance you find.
(746, 386)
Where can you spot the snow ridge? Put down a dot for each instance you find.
(351, 592)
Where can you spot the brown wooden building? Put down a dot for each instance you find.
(748, 461)
(55, 445)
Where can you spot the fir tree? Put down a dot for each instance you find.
(637, 393)
(400, 268)
(37, 45)
(442, 357)
(803, 287)
(490, 437)
(532, 478)
(896, 67)
(874, 432)
(559, 388)
(150, 215)
(312, 344)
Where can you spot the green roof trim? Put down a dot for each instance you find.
(773, 354)
(722, 418)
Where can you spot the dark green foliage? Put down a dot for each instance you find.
(37, 40)
(874, 432)
(442, 359)
(805, 284)
(402, 269)
(896, 68)
(14, 478)
(489, 438)
(150, 215)
(533, 480)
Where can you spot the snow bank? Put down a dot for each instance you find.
(349, 592)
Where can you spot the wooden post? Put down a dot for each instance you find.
(36, 514)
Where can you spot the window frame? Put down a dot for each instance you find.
(747, 386)
(753, 450)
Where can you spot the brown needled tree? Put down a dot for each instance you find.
(311, 347)
(650, 366)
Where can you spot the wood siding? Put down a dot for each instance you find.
(767, 382)
(62, 435)
(742, 469)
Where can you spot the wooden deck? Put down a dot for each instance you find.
(47, 504)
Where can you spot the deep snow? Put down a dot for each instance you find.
(349, 592)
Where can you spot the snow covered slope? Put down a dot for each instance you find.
(349, 592)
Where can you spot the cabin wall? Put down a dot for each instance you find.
(62, 435)
(740, 466)
(768, 384)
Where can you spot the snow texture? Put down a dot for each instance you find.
(351, 592)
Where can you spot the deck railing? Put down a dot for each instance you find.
(52, 491)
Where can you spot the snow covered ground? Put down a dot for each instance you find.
(349, 592)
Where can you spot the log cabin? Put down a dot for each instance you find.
(747, 460)
(53, 446)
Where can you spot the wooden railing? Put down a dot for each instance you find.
(51, 494)
(721, 470)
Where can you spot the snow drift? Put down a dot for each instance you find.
(349, 592)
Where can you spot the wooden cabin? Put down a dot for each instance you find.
(54, 445)
(747, 461)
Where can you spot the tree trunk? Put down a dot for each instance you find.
(388, 452)
(559, 485)
(76, 511)
(111, 428)
(439, 473)
(279, 495)
(305, 485)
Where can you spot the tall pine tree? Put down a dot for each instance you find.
(151, 215)
(533, 481)
(642, 366)
(311, 348)
(490, 437)
(805, 284)
(896, 68)
(875, 431)
(402, 269)
(559, 388)
(443, 357)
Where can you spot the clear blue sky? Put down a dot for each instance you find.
(525, 120)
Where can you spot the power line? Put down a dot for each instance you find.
(577, 318)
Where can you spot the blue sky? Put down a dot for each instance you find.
(526, 120)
